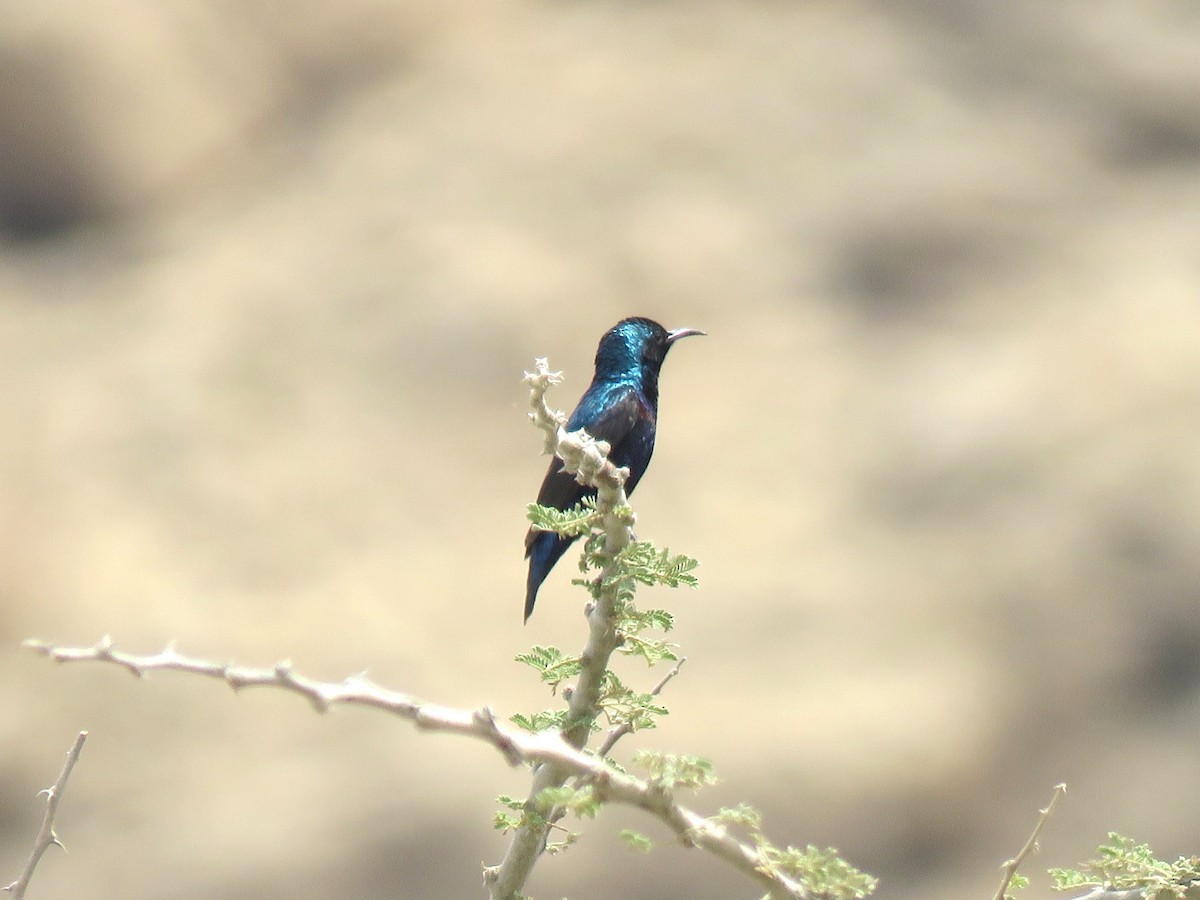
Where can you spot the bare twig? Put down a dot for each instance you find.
(547, 750)
(46, 837)
(357, 690)
(1010, 867)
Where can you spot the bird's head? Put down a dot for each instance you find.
(636, 346)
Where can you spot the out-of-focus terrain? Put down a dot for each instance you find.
(269, 276)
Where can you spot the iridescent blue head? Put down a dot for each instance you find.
(634, 350)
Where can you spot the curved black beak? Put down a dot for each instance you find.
(673, 336)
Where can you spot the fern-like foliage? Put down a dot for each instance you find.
(743, 814)
(593, 557)
(580, 801)
(553, 667)
(542, 720)
(516, 814)
(645, 563)
(632, 623)
(669, 771)
(574, 522)
(826, 875)
(511, 816)
(623, 706)
(1123, 864)
(551, 664)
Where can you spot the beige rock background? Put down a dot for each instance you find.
(269, 276)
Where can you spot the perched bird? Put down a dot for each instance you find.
(620, 407)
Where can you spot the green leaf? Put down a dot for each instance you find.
(551, 664)
(1122, 864)
(1069, 879)
(510, 802)
(1016, 883)
(573, 522)
(593, 556)
(823, 872)
(650, 649)
(634, 840)
(513, 816)
(545, 720)
(645, 563)
(556, 847)
(743, 814)
(581, 801)
(668, 771)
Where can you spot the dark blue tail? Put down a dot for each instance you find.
(544, 549)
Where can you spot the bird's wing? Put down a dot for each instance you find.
(620, 406)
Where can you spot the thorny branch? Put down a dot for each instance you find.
(546, 750)
(46, 837)
(1010, 867)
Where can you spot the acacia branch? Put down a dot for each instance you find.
(547, 750)
(46, 837)
(587, 460)
(615, 735)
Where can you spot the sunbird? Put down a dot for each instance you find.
(620, 406)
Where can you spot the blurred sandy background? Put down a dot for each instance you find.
(269, 276)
